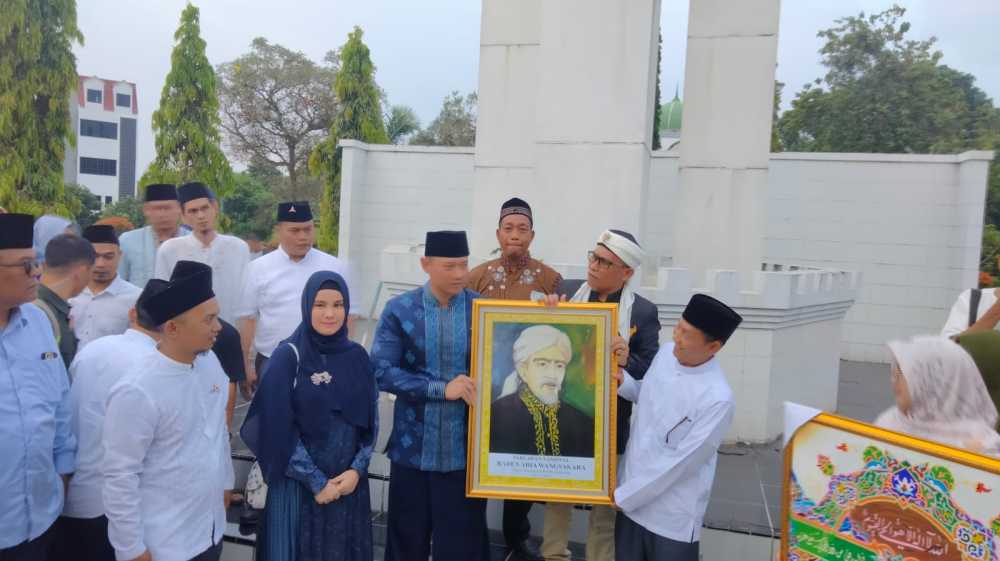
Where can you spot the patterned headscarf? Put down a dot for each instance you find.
(949, 401)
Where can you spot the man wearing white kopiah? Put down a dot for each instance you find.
(612, 267)
(269, 308)
(167, 464)
(529, 418)
(683, 409)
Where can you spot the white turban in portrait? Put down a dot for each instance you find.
(530, 341)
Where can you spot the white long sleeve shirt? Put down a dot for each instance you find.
(681, 417)
(167, 459)
(95, 370)
(958, 317)
(228, 256)
(105, 313)
(273, 292)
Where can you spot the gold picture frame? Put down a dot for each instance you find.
(854, 490)
(521, 446)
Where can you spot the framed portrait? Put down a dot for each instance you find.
(860, 492)
(543, 426)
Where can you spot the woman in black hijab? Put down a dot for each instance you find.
(312, 426)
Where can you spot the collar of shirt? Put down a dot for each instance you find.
(709, 365)
(116, 288)
(514, 265)
(51, 298)
(614, 297)
(431, 301)
(16, 320)
(288, 258)
(139, 337)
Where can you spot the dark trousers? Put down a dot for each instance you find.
(635, 543)
(258, 365)
(83, 539)
(426, 508)
(38, 549)
(516, 527)
(211, 554)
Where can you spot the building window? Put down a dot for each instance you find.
(93, 96)
(107, 200)
(123, 100)
(98, 129)
(98, 166)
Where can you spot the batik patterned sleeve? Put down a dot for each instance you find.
(303, 469)
(364, 455)
(387, 354)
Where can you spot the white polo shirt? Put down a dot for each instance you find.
(106, 313)
(958, 318)
(273, 293)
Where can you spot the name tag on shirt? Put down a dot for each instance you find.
(49, 356)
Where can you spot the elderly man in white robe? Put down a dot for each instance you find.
(683, 409)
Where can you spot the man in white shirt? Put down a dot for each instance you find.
(95, 370)
(683, 409)
(228, 256)
(987, 314)
(162, 213)
(274, 282)
(103, 307)
(167, 465)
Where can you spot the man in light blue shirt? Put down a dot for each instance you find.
(38, 449)
(139, 246)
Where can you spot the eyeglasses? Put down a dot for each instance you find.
(600, 261)
(29, 265)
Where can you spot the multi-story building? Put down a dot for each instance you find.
(104, 114)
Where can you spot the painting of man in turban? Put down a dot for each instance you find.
(530, 417)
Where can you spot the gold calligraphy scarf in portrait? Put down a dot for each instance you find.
(538, 410)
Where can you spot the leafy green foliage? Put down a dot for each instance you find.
(455, 125)
(250, 207)
(128, 207)
(276, 106)
(186, 125)
(89, 204)
(656, 103)
(885, 93)
(359, 118)
(37, 75)
(400, 122)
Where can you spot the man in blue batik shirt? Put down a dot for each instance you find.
(38, 449)
(421, 354)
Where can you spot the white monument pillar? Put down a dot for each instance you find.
(565, 118)
(728, 102)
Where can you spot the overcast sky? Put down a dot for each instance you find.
(424, 50)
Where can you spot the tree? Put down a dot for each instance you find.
(37, 75)
(779, 88)
(656, 111)
(89, 208)
(276, 104)
(885, 93)
(359, 118)
(400, 122)
(250, 207)
(454, 126)
(129, 208)
(186, 124)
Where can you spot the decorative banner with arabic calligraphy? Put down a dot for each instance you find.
(854, 492)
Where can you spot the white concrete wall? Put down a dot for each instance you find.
(910, 224)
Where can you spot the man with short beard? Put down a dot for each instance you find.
(103, 307)
(522, 420)
(227, 255)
